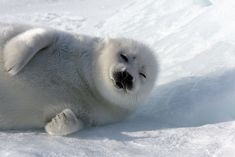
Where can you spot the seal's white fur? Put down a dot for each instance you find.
(19, 50)
(64, 81)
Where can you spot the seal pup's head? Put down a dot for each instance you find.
(126, 71)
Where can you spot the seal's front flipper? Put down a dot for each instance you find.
(19, 50)
(64, 123)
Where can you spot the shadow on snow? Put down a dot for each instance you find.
(188, 102)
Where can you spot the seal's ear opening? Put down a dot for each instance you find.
(19, 50)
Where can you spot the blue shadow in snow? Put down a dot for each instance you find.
(187, 102)
(193, 101)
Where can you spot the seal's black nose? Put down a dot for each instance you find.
(123, 80)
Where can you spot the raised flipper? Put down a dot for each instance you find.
(19, 50)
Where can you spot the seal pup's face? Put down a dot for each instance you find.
(126, 71)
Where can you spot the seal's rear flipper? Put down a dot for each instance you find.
(19, 50)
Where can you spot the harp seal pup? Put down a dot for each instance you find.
(63, 81)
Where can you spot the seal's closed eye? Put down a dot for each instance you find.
(124, 57)
(143, 75)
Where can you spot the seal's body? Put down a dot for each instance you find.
(63, 81)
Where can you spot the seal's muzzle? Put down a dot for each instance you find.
(123, 80)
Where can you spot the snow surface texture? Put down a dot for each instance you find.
(191, 112)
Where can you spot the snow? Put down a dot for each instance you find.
(191, 111)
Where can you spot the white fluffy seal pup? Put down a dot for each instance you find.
(63, 81)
